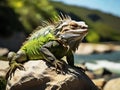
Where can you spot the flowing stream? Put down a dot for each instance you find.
(110, 61)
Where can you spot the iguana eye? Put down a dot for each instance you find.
(66, 29)
(73, 25)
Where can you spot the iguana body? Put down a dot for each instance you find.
(36, 41)
(50, 43)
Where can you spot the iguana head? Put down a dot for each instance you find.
(71, 32)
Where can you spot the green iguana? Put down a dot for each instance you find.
(51, 43)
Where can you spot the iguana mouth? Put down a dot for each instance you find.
(78, 31)
(75, 34)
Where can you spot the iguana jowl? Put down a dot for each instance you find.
(51, 43)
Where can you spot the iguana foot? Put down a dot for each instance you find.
(12, 69)
(60, 66)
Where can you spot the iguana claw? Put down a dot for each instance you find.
(12, 69)
(60, 66)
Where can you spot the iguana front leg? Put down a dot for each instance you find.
(15, 60)
(70, 60)
(49, 56)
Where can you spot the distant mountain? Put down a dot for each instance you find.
(102, 26)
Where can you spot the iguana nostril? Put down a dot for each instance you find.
(84, 27)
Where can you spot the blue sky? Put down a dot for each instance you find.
(109, 6)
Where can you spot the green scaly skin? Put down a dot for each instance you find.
(50, 43)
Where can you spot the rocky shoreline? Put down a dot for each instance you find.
(102, 78)
(91, 48)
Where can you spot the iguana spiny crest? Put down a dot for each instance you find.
(50, 43)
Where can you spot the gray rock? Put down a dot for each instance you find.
(3, 68)
(113, 84)
(102, 72)
(39, 75)
(3, 51)
(99, 82)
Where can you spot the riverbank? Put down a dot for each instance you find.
(92, 48)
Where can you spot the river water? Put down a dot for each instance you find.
(110, 61)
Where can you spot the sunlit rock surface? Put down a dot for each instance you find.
(39, 75)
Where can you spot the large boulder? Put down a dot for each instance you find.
(99, 82)
(39, 75)
(113, 84)
(3, 68)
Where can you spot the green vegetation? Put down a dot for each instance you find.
(2, 83)
(31, 11)
(23, 15)
(102, 26)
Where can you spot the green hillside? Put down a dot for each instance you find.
(26, 15)
(102, 26)
(23, 15)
